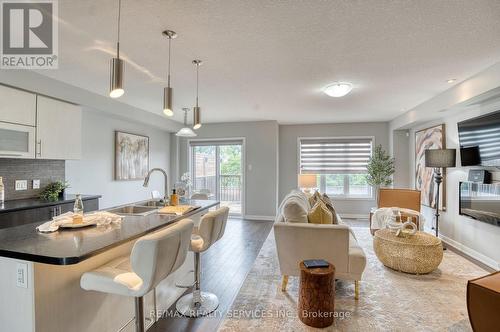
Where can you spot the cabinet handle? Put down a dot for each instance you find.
(39, 143)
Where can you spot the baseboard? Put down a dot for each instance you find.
(254, 217)
(353, 216)
(471, 252)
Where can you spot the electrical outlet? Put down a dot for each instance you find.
(21, 184)
(36, 184)
(22, 275)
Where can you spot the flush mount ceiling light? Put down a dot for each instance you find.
(338, 89)
(451, 80)
(185, 131)
(197, 109)
(167, 92)
(116, 75)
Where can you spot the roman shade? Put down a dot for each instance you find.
(334, 155)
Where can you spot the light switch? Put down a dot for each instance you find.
(36, 184)
(22, 275)
(21, 184)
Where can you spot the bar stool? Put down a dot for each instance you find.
(152, 259)
(210, 230)
(200, 196)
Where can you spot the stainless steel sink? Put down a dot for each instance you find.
(134, 210)
(153, 203)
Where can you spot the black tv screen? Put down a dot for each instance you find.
(482, 133)
(480, 201)
(470, 156)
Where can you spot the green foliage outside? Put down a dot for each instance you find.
(230, 163)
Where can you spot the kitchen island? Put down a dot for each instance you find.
(40, 275)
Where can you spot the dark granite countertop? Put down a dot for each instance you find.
(33, 203)
(71, 246)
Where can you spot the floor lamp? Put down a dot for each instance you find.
(439, 159)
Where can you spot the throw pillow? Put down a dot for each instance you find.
(294, 210)
(329, 205)
(319, 214)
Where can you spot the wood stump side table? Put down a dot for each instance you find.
(317, 296)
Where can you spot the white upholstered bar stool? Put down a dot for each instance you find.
(152, 259)
(210, 230)
(200, 196)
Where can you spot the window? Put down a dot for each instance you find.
(340, 164)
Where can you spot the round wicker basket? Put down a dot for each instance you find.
(418, 254)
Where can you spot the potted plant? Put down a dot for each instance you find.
(53, 190)
(380, 169)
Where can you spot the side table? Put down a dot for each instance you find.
(317, 296)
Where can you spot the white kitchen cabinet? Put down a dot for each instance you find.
(17, 106)
(58, 129)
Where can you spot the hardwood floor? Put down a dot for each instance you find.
(224, 267)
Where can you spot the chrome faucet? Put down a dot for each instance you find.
(146, 180)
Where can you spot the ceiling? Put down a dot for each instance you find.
(269, 60)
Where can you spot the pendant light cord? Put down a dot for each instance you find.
(197, 82)
(169, 43)
(118, 34)
(185, 118)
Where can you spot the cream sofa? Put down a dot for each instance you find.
(297, 240)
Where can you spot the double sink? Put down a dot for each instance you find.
(138, 209)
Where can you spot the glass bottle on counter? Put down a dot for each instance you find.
(78, 207)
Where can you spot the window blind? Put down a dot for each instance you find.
(215, 142)
(335, 155)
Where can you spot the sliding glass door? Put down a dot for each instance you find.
(217, 169)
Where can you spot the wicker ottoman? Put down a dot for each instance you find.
(418, 254)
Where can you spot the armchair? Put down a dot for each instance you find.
(402, 198)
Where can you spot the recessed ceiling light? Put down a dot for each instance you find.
(451, 80)
(338, 89)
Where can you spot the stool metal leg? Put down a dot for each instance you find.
(197, 303)
(139, 314)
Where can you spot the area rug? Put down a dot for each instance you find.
(389, 300)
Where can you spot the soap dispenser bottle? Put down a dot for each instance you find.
(174, 198)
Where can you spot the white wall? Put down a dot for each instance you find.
(478, 239)
(288, 155)
(261, 151)
(402, 158)
(93, 174)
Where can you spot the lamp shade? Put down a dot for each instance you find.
(440, 158)
(307, 181)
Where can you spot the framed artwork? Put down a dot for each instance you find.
(429, 138)
(131, 156)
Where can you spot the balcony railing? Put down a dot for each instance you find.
(230, 186)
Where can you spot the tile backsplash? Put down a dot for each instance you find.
(29, 169)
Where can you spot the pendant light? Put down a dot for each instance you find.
(116, 75)
(197, 109)
(167, 92)
(185, 131)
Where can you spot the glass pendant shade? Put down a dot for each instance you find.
(196, 117)
(186, 132)
(116, 78)
(167, 101)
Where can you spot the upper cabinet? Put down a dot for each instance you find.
(17, 106)
(58, 129)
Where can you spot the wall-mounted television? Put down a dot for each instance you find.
(480, 140)
(480, 201)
